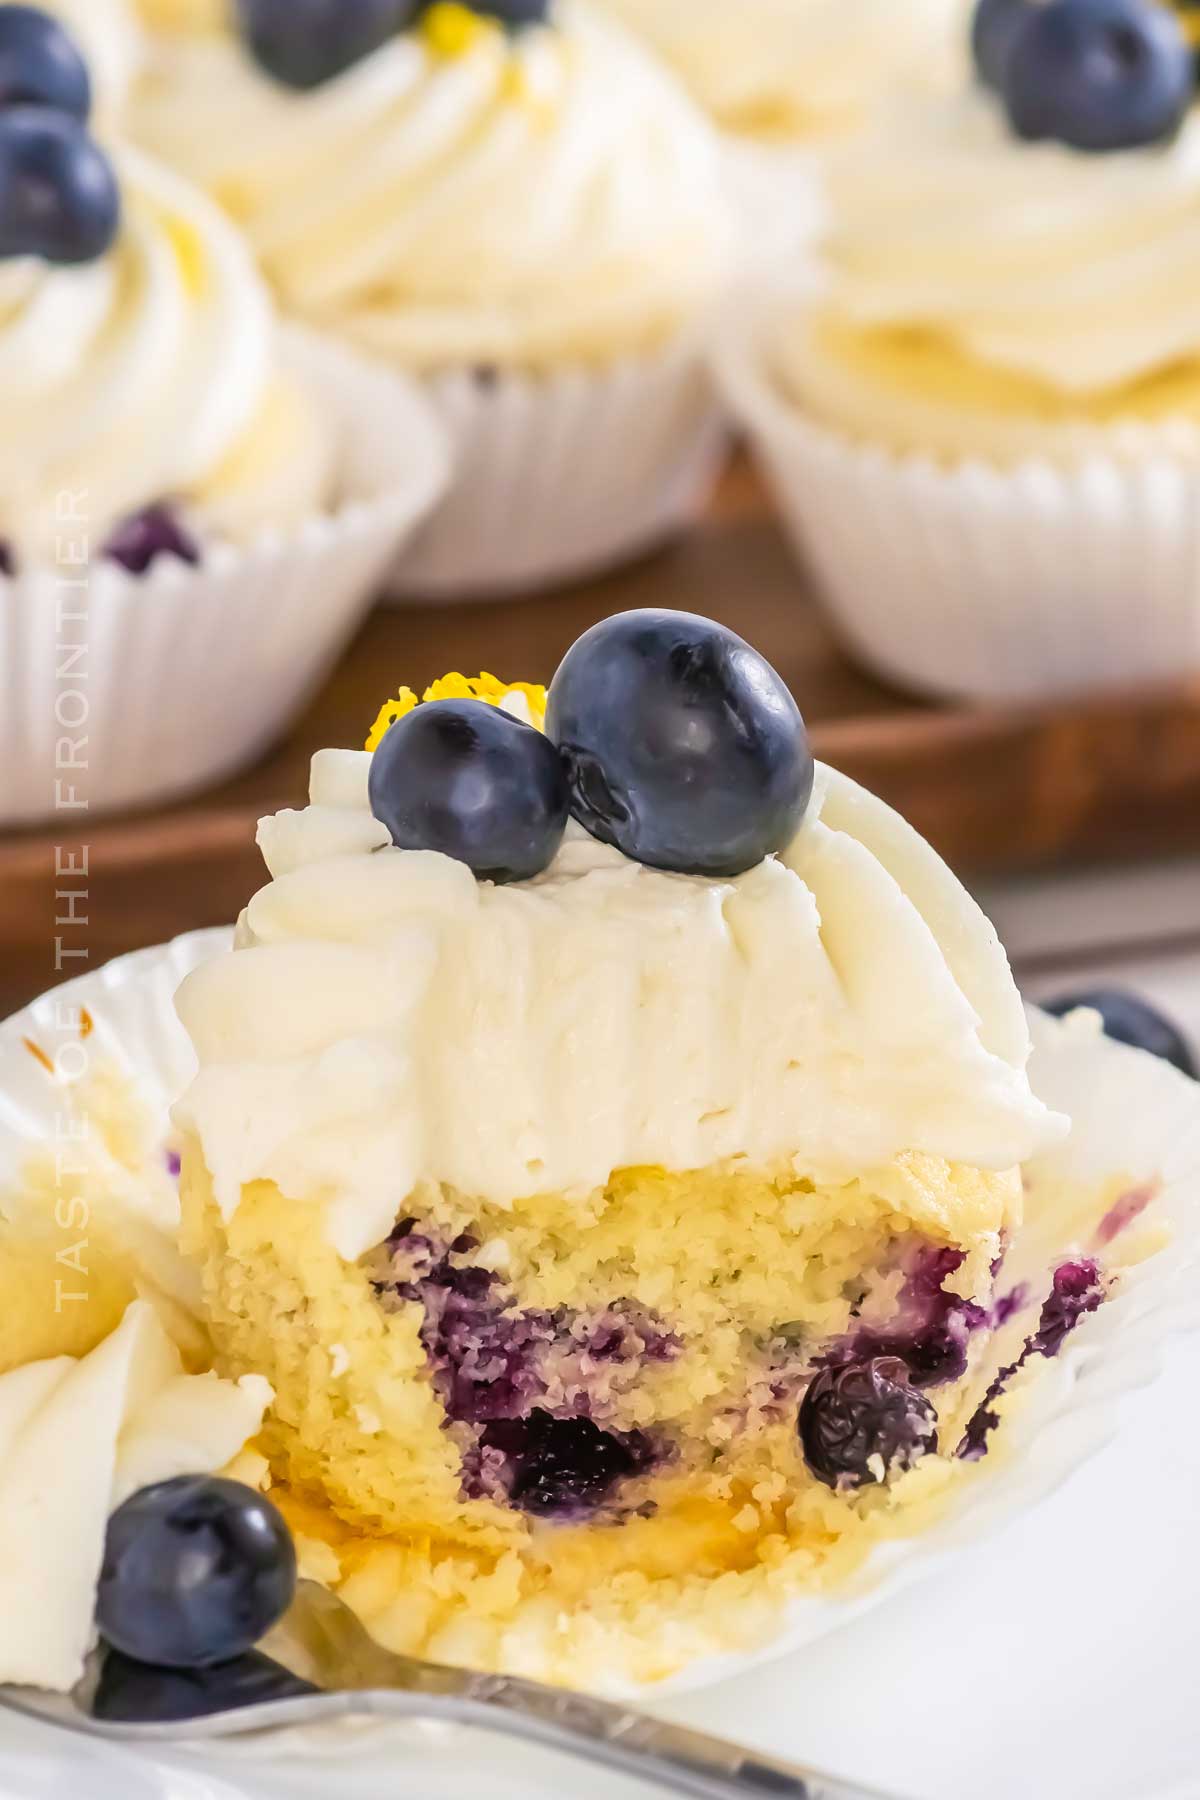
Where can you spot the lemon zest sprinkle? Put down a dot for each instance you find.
(450, 29)
(488, 688)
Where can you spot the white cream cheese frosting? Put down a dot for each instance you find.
(108, 34)
(464, 194)
(794, 67)
(389, 1021)
(151, 374)
(76, 1439)
(1035, 259)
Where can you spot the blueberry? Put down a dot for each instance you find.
(40, 64)
(683, 746)
(195, 1571)
(993, 27)
(865, 1422)
(513, 13)
(138, 541)
(1099, 74)
(1132, 1021)
(565, 1468)
(467, 779)
(58, 193)
(135, 1693)
(304, 43)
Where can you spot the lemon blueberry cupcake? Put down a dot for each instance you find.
(607, 1141)
(170, 462)
(513, 202)
(984, 428)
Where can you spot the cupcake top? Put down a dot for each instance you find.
(465, 192)
(391, 1019)
(78, 1437)
(787, 68)
(149, 373)
(1017, 257)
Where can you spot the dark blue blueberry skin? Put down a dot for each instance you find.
(1099, 74)
(565, 1468)
(138, 541)
(863, 1417)
(683, 746)
(304, 43)
(195, 1571)
(513, 13)
(40, 64)
(464, 778)
(136, 1693)
(58, 194)
(1131, 1020)
(993, 27)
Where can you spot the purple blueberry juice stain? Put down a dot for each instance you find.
(138, 541)
(932, 1329)
(535, 1386)
(1078, 1288)
(1127, 1210)
(174, 1163)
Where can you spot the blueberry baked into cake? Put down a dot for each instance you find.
(606, 1142)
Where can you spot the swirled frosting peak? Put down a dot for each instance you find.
(1043, 262)
(149, 374)
(495, 197)
(389, 1021)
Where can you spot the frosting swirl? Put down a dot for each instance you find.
(463, 194)
(107, 33)
(389, 1021)
(150, 374)
(1075, 271)
(791, 67)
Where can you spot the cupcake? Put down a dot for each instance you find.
(472, 202)
(785, 79)
(607, 1142)
(187, 522)
(983, 427)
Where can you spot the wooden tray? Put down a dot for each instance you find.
(993, 789)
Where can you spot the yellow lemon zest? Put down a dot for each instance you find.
(189, 254)
(453, 30)
(488, 688)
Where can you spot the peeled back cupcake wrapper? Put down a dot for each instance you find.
(1024, 583)
(561, 476)
(193, 672)
(1131, 1115)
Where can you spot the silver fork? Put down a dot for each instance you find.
(322, 1642)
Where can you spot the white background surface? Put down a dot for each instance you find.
(1060, 1661)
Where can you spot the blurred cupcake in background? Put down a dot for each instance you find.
(514, 202)
(985, 429)
(785, 79)
(194, 510)
(109, 37)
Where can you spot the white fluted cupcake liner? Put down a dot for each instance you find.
(563, 476)
(1038, 581)
(122, 691)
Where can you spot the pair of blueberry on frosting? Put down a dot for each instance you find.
(1093, 74)
(304, 43)
(667, 736)
(59, 197)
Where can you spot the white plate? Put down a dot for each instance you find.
(1056, 1659)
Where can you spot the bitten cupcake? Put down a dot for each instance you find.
(188, 525)
(786, 78)
(515, 203)
(984, 429)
